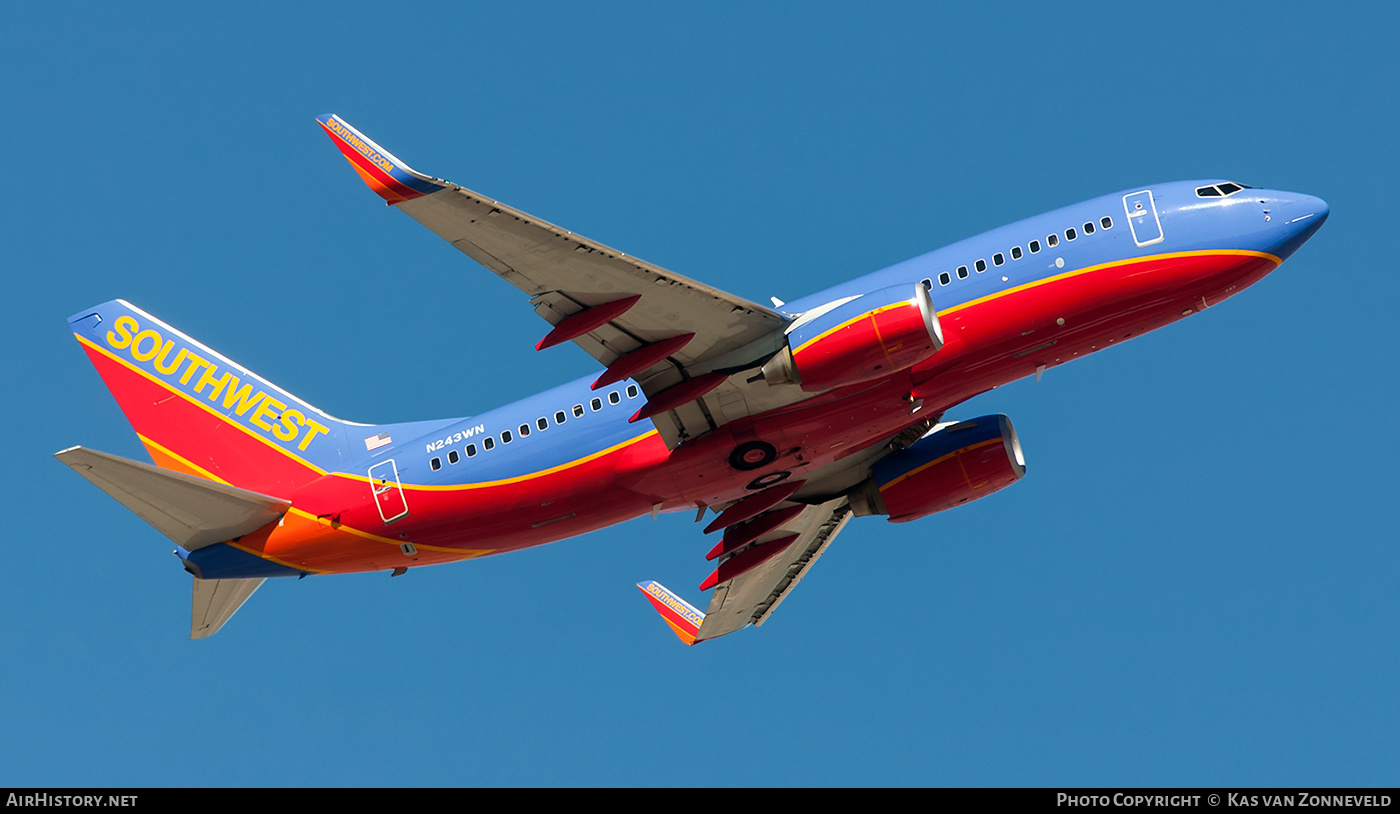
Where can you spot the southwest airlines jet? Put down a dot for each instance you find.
(784, 421)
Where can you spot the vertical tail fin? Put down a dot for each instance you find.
(202, 414)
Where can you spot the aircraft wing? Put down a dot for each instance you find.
(767, 571)
(665, 331)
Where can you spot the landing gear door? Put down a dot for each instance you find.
(388, 494)
(1142, 217)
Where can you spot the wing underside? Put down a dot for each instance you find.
(751, 597)
(684, 342)
(780, 559)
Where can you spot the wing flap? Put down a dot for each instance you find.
(192, 511)
(751, 597)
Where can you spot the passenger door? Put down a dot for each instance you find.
(1142, 218)
(388, 493)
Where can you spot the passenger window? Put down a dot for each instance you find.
(928, 284)
(524, 430)
(1035, 246)
(1052, 240)
(505, 437)
(944, 279)
(453, 457)
(1106, 222)
(596, 405)
(998, 259)
(631, 391)
(559, 417)
(613, 397)
(981, 266)
(542, 423)
(471, 450)
(962, 272)
(1015, 252)
(1089, 228)
(1070, 234)
(578, 410)
(489, 444)
(436, 464)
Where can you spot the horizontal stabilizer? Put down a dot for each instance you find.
(684, 618)
(216, 601)
(193, 512)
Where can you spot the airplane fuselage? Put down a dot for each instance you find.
(1012, 302)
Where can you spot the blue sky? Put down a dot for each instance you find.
(1194, 584)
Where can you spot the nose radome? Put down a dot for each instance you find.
(1298, 217)
(1304, 213)
(1319, 207)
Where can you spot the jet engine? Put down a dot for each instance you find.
(864, 338)
(951, 465)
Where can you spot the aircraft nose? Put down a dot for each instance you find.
(1299, 216)
(1303, 215)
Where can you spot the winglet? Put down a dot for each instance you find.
(682, 616)
(390, 178)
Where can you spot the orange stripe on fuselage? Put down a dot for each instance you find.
(141, 414)
(1104, 266)
(304, 542)
(1045, 281)
(504, 513)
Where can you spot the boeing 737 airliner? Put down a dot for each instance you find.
(784, 421)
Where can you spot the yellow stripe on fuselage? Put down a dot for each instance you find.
(192, 400)
(1114, 264)
(457, 487)
(348, 475)
(1056, 278)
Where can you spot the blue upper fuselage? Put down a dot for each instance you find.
(1181, 216)
(1254, 219)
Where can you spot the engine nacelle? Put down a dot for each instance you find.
(866, 338)
(948, 467)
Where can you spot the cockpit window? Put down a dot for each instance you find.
(1224, 190)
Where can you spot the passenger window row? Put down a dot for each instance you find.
(999, 259)
(489, 442)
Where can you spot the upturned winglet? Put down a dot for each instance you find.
(684, 618)
(390, 178)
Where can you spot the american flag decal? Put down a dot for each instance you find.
(377, 441)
